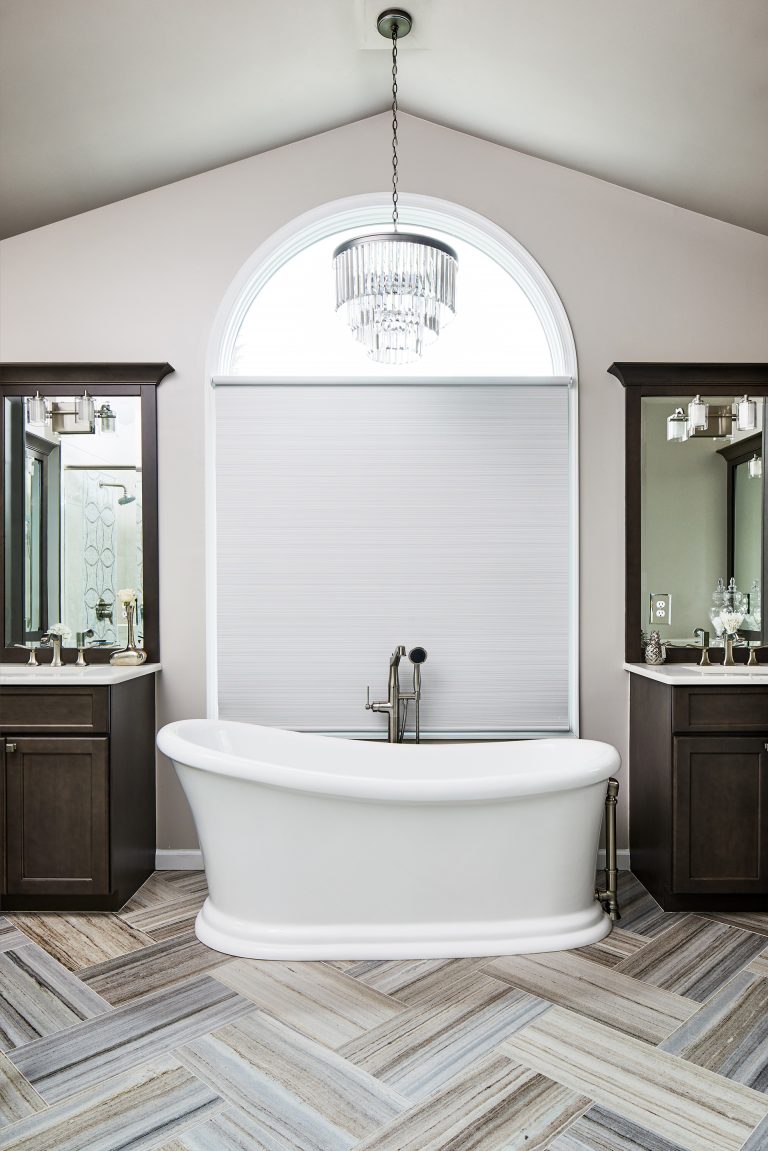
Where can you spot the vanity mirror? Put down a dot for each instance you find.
(695, 497)
(79, 495)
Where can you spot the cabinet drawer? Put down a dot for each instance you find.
(719, 708)
(54, 709)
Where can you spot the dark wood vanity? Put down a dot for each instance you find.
(699, 794)
(79, 793)
(698, 810)
(77, 745)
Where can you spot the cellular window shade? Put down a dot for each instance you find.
(350, 519)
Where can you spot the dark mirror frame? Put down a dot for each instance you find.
(670, 379)
(24, 379)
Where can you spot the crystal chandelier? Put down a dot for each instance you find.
(397, 288)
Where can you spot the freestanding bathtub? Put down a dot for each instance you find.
(325, 848)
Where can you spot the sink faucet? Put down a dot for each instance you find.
(56, 641)
(391, 705)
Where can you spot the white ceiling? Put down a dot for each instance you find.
(101, 99)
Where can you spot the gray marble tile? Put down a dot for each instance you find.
(756, 921)
(418, 1052)
(758, 1140)
(669, 1096)
(10, 936)
(495, 1106)
(620, 944)
(603, 1130)
(18, 1097)
(138, 1110)
(600, 992)
(421, 983)
(729, 1034)
(640, 913)
(40, 997)
(157, 966)
(164, 920)
(85, 1055)
(300, 1095)
(315, 998)
(694, 958)
(80, 940)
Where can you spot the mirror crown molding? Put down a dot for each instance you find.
(707, 379)
(61, 374)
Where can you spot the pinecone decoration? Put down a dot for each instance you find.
(653, 652)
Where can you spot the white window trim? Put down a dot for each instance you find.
(367, 211)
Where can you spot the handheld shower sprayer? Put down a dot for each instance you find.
(417, 656)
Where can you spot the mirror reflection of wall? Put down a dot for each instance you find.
(684, 518)
(82, 518)
(747, 527)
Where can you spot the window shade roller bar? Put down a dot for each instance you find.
(393, 382)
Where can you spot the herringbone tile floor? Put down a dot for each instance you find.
(124, 1032)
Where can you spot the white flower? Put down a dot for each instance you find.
(731, 621)
(60, 629)
(127, 595)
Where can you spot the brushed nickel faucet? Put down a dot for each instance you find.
(397, 716)
(53, 640)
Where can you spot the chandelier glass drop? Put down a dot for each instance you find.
(397, 289)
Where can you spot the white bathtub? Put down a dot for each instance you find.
(324, 848)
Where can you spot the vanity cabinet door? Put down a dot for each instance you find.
(720, 814)
(56, 816)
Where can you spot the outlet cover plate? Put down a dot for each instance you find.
(661, 608)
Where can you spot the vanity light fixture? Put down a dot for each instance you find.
(746, 414)
(755, 467)
(397, 288)
(698, 414)
(677, 426)
(37, 413)
(85, 409)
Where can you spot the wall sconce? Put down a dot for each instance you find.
(746, 414)
(755, 467)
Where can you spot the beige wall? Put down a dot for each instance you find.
(142, 279)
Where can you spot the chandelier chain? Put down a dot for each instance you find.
(394, 129)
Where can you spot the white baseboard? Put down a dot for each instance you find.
(172, 860)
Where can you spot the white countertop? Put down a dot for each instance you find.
(690, 674)
(43, 675)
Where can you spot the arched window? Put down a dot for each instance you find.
(360, 506)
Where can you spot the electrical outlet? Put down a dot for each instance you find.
(661, 608)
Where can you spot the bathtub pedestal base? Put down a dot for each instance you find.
(250, 940)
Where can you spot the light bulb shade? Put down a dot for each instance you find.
(85, 409)
(398, 290)
(755, 467)
(36, 409)
(107, 418)
(677, 426)
(746, 414)
(698, 413)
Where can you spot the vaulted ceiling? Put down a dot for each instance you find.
(101, 99)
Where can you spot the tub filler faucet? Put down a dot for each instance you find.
(397, 715)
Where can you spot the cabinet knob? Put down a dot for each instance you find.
(9, 747)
